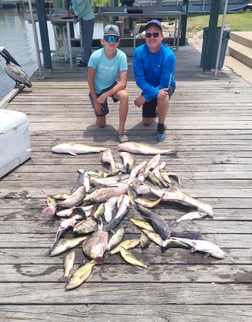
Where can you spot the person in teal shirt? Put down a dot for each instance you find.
(154, 66)
(107, 77)
(84, 11)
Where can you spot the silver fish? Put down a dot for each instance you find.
(192, 215)
(76, 148)
(110, 208)
(203, 246)
(141, 148)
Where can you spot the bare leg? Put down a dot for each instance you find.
(123, 97)
(162, 108)
(101, 121)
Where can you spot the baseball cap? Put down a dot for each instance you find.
(153, 22)
(111, 30)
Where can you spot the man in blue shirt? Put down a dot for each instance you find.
(154, 66)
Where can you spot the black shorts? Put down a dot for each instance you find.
(105, 109)
(149, 108)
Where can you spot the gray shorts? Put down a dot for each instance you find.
(105, 109)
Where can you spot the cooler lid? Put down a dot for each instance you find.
(11, 119)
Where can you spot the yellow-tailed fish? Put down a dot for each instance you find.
(153, 236)
(64, 244)
(80, 275)
(141, 224)
(130, 258)
(68, 265)
(144, 240)
(116, 238)
(127, 244)
(98, 211)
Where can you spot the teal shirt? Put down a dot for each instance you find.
(107, 70)
(82, 9)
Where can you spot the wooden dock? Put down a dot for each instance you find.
(210, 122)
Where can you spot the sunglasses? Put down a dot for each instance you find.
(154, 34)
(111, 38)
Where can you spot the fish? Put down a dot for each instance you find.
(64, 244)
(153, 236)
(103, 194)
(95, 246)
(204, 246)
(120, 214)
(192, 215)
(127, 244)
(141, 224)
(147, 203)
(68, 265)
(74, 199)
(80, 275)
(107, 157)
(130, 258)
(83, 179)
(176, 195)
(67, 223)
(141, 148)
(116, 238)
(85, 226)
(74, 148)
(151, 164)
(144, 240)
(110, 208)
(157, 222)
(128, 161)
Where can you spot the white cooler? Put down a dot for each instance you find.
(14, 140)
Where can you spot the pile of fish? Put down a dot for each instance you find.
(102, 205)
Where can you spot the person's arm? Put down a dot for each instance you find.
(91, 76)
(149, 91)
(121, 84)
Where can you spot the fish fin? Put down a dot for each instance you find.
(63, 279)
(72, 153)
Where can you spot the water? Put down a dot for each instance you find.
(16, 36)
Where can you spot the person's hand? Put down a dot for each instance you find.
(101, 99)
(139, 101)
(163, 92)
(98, 108)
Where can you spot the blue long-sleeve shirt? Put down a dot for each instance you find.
(154, 71)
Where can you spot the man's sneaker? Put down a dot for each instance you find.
(122, 137)
(160, 136)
